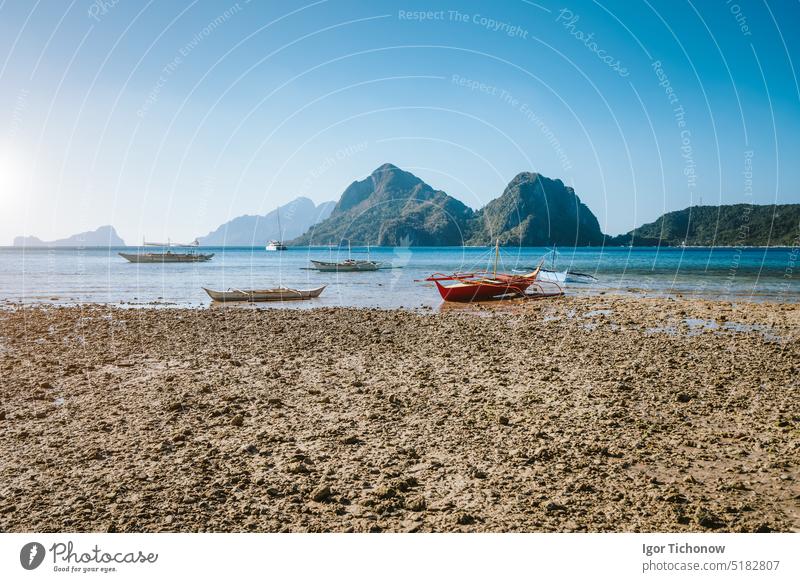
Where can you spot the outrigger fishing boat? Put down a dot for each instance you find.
(348, 265)
(168, 256)
(482, 286)
(566, 276)
(258, 295)
(553, 275)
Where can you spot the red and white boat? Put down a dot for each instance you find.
(481, 287)
(484, 286)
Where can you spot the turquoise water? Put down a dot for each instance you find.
(70, 275)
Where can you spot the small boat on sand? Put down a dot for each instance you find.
(553, 275)
(258, 295)
(481, 286)
(566, 276)
(465, 287)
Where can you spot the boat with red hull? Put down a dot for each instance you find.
(483, 286)
(465, 287)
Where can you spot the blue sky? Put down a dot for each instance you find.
(166, 119)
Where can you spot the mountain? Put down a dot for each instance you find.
(296, 217)
(104, 236)
(730, 225)
(392, 207)
(536, 211)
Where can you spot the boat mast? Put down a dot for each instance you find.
(280, 233)
(496, 256)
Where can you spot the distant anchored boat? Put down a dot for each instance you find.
(346, 265)
(258, 295)
(275, 245)
(167, 256)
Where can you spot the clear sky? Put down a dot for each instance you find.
(167, 118)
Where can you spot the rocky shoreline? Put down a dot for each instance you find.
(581, 414)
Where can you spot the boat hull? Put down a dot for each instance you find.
(566, 277)
(345, 267)
(262, 295)
(467, 291)
(167, 257)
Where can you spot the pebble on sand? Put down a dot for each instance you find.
(321, 493)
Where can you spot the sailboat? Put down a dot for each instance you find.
(277, 245)
(481, 286)
(348, 265)
(168, 256)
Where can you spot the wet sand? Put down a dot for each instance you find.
(577, 414)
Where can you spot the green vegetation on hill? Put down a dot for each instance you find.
(732, 225)
(392, 207)
(536, 211)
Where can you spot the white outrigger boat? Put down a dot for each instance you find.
(567, 276)
(348, 265)
(258, 295)
(168, 256)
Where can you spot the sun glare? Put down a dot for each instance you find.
(12, 174)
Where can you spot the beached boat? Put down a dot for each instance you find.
(553, 275)
(258, 295)
(566, 276)
(465, 287)
(168, 256)
(481, 286)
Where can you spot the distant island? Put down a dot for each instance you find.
(729, 225)
(294, 219)
(393, 207)
(104, 236)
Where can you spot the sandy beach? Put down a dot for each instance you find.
(600, 413)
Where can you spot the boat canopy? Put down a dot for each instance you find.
(169, 243)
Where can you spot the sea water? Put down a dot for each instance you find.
(100, 275)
